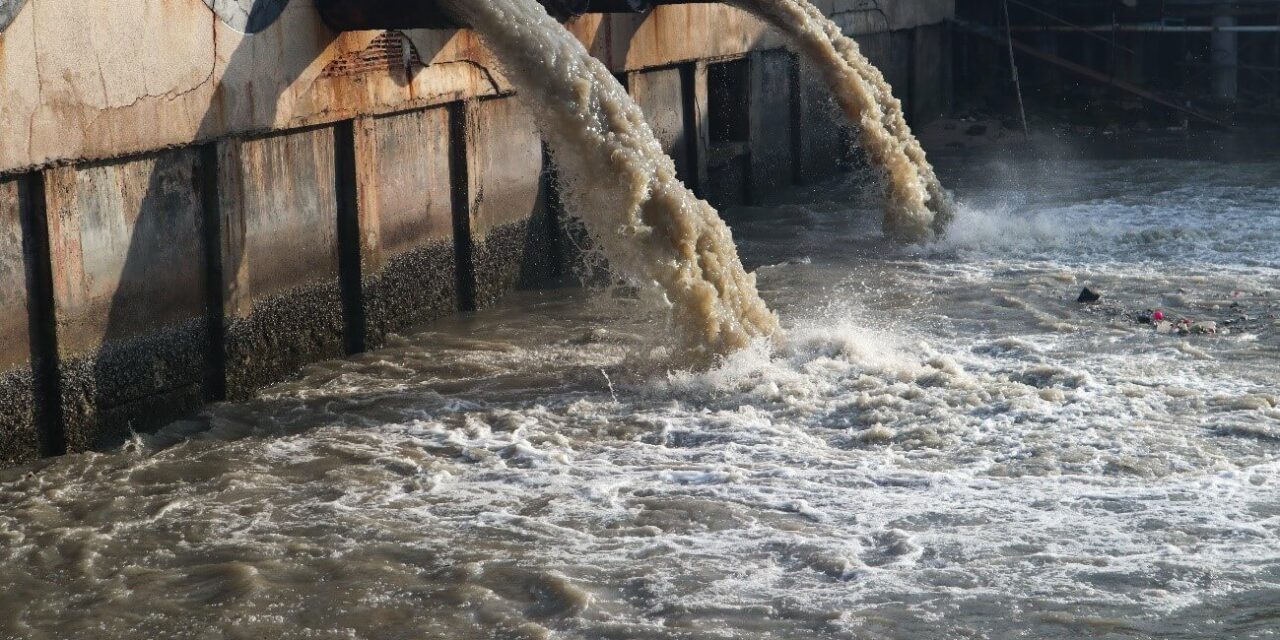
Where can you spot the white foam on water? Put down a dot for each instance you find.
(947, 445)
(1003, 229)
(853, 479)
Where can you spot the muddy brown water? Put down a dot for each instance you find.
(945, 446)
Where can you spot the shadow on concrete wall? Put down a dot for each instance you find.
(151, 367)
(155, 362)
(248, 16)
(8, 11)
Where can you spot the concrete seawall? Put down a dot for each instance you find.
(194, 205)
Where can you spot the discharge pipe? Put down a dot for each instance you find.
(363, 15)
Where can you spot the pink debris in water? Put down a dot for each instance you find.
(1157, 316)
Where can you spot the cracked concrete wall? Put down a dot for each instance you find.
(88, 79)
(153, 74)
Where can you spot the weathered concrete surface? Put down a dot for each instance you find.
(129, 294)
(406, 221)
(660, 95)
(686, 32)
(857, 17)
(772, 118)
(154, 74)
(19, 439)
(279, 257)
(509, 226)
(671, 33)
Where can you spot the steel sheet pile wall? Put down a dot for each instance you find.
(193, 207)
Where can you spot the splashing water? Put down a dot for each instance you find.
(918, 207)
(619, 183)
(946, 446)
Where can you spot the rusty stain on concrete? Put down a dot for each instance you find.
(405, 212)
(505, 196)
(169, 84)
(279, 256)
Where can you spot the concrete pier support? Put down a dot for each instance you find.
(660, 94)
(820, 128)
(929, 65)
(1225, 57)
(129, 294)
(504, 226)
(728, 89)
(772, 118)
(406, 221)
(19, 436)
(282, 297)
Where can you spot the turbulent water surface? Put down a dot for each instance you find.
(947, 445)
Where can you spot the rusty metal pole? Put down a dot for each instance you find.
(1013, 64)
(1224, 56)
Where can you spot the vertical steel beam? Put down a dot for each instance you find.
(1224, 56)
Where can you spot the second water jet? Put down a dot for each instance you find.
(917, 206)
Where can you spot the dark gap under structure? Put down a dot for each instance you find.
(349, 263)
